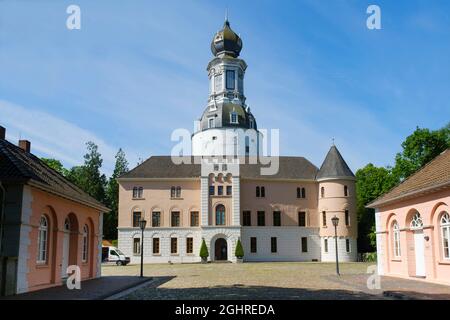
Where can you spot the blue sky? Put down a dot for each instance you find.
(137, 70)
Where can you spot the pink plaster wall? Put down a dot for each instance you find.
(430, 207)
(56, 209)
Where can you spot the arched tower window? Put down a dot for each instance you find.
(445, 233)
(345, 191)
(42, 240)
(396, 239)
(322, 192)
(220, 215)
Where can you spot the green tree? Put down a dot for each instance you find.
(204, 250)
(419, 148)
(110, 220)
(371, 182)
(88, 176)
(239, 252)
(56, 165)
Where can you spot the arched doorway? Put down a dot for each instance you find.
(221, 250)
(70, 244)
(66, 248)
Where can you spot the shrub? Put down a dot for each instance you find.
(115, 243)
(204, 250)
(239, 252)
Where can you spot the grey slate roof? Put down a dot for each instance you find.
(163, 167)
(18, 166)
(334, 166)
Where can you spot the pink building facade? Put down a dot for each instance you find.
(413, 225)
(47, 224)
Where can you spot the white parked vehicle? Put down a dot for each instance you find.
(114, 255)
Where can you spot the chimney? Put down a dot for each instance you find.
(2, 133)
(25, 145)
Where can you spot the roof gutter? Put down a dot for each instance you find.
(377, 204)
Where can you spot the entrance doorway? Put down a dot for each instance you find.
(221, 249)
(420, 254)
(66, 248)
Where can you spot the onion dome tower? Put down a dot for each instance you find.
(337, 197)
(226, 127)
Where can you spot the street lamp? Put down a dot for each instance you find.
(142, 224)
(335, 221)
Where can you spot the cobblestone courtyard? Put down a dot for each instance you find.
(281, 280)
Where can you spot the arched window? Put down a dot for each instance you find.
(42, 240)
(258, 194)
(303, 193)
(263, 192)
(445, 233)
(416, 222)
(84, 253)
(322, 192)
(172, 192)
(298, 193)
(345, 191)
(396, 239)
(135, 192)
(220, 215)
(178, 195)
(140, 192)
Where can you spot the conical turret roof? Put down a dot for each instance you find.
(334, 166)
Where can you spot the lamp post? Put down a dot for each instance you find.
(142, 224)
(335, 221)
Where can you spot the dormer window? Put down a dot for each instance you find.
(233, 117)
(252, 124)
(211, 122)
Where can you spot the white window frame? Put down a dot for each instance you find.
(234, 113)
(85, 251)
(396, 239)
(445, 234)
(42, 240)
(138, 251)
(211, 122)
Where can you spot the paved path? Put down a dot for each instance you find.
(278, 280)
(95, 289)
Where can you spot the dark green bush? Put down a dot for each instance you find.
(204, 250)
(239, 252)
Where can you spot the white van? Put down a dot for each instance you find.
(112, 254)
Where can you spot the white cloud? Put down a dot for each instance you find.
(51, 136)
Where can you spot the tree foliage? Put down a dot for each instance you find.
(56, 165)
(110, 220)
(204, 250)
(239, 251)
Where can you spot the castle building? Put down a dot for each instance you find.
(221, 195)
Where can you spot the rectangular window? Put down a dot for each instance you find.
(218, 83)
(261, 218)
(175, 219)
(189, 245)
(273, 244)
(347, 245)
(258, 193)
(303, 193)
(194, 219)
(347, 218)
(325, 245)
(263, 192)
(229, 190)
(304, 244)
(172, 192)
(324, 218)
(220, 190)
(136, 219)
(178, 194)
(302, 219)
(224, 167)
(155, 245)
(253, 245)
(156, 219)
(211, 190)
(230, 79)
(247, 218)
(173, 245)
(233, 117)
(277, 218)
(136, 246)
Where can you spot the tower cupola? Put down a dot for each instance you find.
(226, 42)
